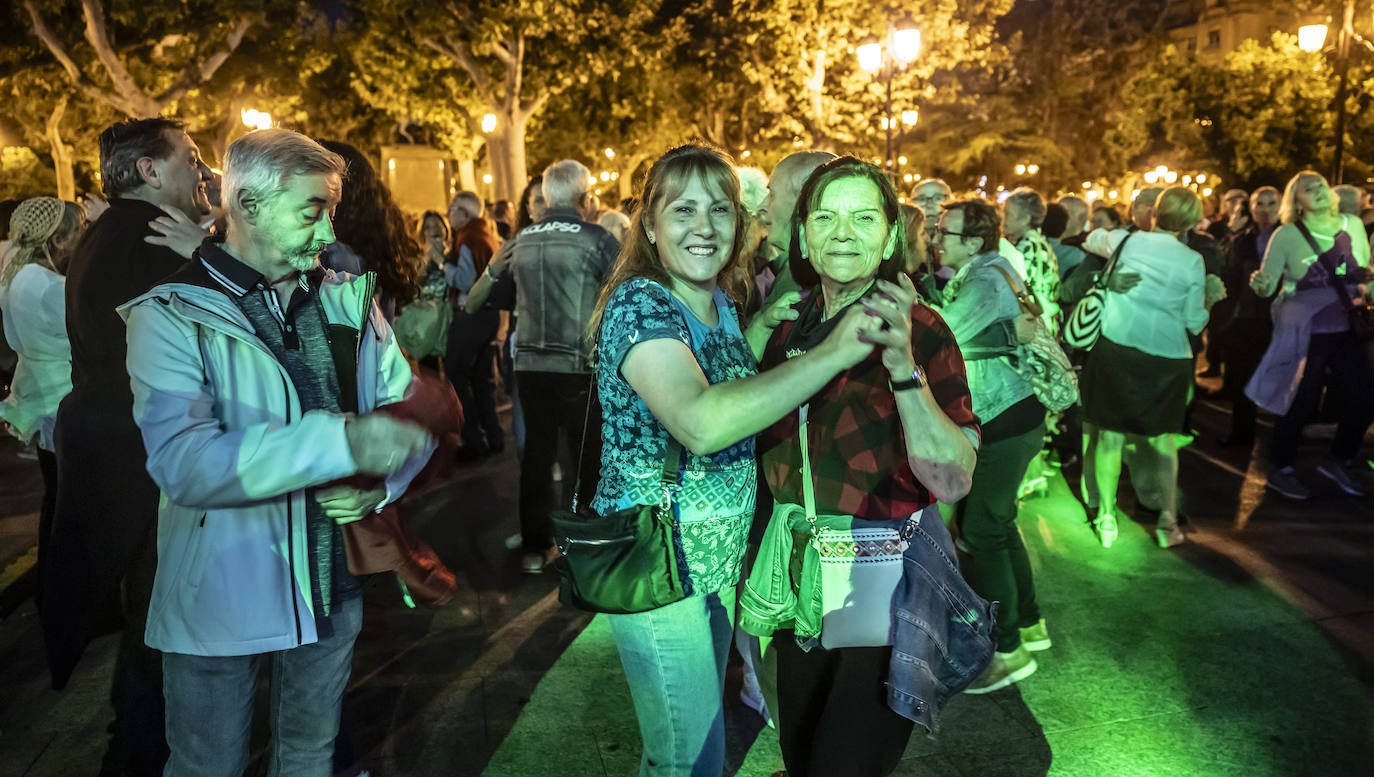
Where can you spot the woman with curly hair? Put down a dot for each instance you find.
(372, 235)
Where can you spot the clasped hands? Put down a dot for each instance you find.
(882, 319)
(380, 446)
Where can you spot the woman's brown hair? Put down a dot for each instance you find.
(667, 179)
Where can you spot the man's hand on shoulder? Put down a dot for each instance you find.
(501, 260)
(176, 231)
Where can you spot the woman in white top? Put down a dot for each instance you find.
(1322, 259)
(44, 230)
(1138, 375)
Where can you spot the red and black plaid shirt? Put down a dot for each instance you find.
(858, 449)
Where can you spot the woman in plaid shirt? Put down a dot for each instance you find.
(887, 438)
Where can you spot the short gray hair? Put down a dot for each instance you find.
(1146, 198)
(472, 203)
(1030, 202)
(753, 188)
(262, 163)
(1076, 206)
(565, 182)
(1349, 198)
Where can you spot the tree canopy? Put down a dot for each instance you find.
(1261, 113)
(1081, 89)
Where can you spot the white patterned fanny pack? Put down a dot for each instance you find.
(860, 569)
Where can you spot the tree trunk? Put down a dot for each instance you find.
(626, 180)
(498, 161)
(61, 153)
(506, 155)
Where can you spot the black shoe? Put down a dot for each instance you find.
(468, 455)
(1220, 393)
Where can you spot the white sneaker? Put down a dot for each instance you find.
(1106, 529)
(532, 563)
(1005, 669)
(1167, 532)
(514, 541)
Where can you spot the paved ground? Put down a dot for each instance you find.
(1248, 651)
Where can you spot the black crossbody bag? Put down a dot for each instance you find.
(1361, 315)
(623, 562)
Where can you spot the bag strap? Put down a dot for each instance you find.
(672, 456)
(809, 488)
(1111, 263)
(1025, 297)
(1336, 285)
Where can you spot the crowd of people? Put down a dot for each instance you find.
(200, 366)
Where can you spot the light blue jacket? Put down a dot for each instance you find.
(233, 454)
(976, 298)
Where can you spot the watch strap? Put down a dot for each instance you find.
(917, 380)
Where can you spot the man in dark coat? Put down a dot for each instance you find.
(103, 528)
(1248, 328)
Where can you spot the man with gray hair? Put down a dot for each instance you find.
(477, 333)
(254, 374)
(559, 264)
(1247, 330)
(930, 195)
(1230, 216)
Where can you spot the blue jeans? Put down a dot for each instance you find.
(674, 659)
(210, 705)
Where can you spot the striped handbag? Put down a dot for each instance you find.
(1085, 323)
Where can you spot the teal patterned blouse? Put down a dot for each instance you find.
(714, 502)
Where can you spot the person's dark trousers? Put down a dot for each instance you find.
(1217, 346)
(1346, 360)
(470, 363)
(554, 402)
(1245, 347)
(1067, 440)
(136, 692)
(832, 716)
(999, 567)
(47, 465)
(101, 566)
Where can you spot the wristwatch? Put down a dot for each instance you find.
(916, 381)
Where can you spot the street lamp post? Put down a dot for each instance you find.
(902, 45)
(1342, 85)
(1312, 38)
